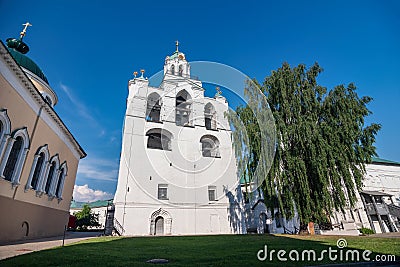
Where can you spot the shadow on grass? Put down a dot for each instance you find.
(221, 250)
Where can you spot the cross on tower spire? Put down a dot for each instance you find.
(23, 33)
(177, 45)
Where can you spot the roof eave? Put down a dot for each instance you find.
(40, 99)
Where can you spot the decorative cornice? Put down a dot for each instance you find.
(38, 98)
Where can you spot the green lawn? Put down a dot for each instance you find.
(223, 250)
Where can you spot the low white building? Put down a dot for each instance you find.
(377, 207)
(378, 204)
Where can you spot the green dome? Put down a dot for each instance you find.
(28, 64)
(174, 55)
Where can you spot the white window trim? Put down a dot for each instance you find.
(167, 134)
(63, 170)
(5, 134)
(162, 186)
(214, 151)
(212, 115)
(151, 102)
(167, 221)
(45, 177)
(186, 106)
(43, 149)
(212, 188)
(23, 133)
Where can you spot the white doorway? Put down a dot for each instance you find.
(159, 229)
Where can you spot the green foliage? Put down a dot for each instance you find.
(85, 218)
(366, 231)
(253, 136)
(321, 147)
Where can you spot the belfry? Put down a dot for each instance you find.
(177, 170)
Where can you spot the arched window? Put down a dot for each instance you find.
(159, 139)
(183, 108)
(209, 117)
(153, 111)
(180, 70)
(173, 69)
(61, 180)
(5, 129)
(38, 168)
(51, 176)
(210, 146)
(14, 156)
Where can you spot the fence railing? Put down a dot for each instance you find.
(118, 227)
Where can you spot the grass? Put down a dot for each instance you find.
(221, 250)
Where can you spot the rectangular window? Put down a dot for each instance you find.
(163, 191)
(212, 193)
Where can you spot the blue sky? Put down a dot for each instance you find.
(89, 50)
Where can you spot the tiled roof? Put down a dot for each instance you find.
(95, 204)
(384, 161)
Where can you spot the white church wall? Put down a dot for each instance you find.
(383, 178)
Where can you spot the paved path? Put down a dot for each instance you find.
(387, 235)
(28, 246)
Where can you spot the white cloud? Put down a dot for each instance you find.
(80, 107)
(83, 193)
(98, 169)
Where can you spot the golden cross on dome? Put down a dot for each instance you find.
(177, 45)
(23, 33)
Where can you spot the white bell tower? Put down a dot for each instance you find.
(177, 170)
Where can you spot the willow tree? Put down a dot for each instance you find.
(322, 143)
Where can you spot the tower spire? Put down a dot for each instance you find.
(23, 33)
(177, 45)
